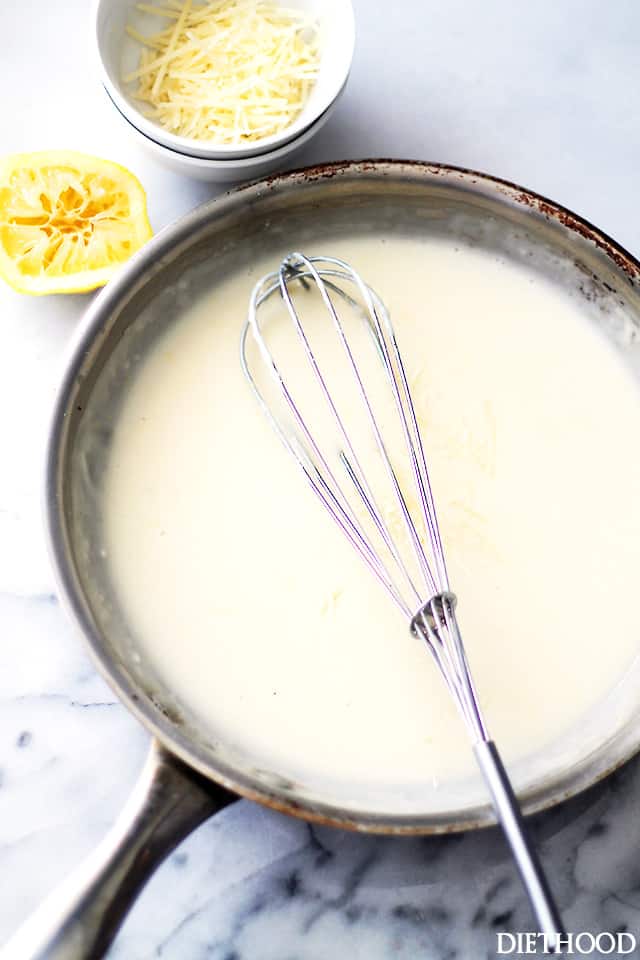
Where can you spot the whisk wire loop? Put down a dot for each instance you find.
(323, 273)
(310, 459)
(297, 266)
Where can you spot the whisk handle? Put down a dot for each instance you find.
(508, 812)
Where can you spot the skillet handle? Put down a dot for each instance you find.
(79, 920)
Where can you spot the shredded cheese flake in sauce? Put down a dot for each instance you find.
(227, 71)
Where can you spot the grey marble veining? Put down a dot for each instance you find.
(379, 898)
(544, 95)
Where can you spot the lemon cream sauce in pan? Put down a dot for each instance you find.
(256, 612)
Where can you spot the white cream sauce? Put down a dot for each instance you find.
(258, 614)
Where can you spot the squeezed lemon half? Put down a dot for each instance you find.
(67, 220)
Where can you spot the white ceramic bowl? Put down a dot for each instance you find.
(118, 54)
(235, 169)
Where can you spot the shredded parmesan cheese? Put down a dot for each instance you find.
(227, 71)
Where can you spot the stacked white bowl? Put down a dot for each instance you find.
(118, 55)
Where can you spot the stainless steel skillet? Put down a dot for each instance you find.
(188, 776)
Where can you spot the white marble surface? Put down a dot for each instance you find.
(543, 94)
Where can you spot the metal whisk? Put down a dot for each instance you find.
(421, 589)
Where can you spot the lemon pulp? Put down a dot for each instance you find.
(67, 221)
